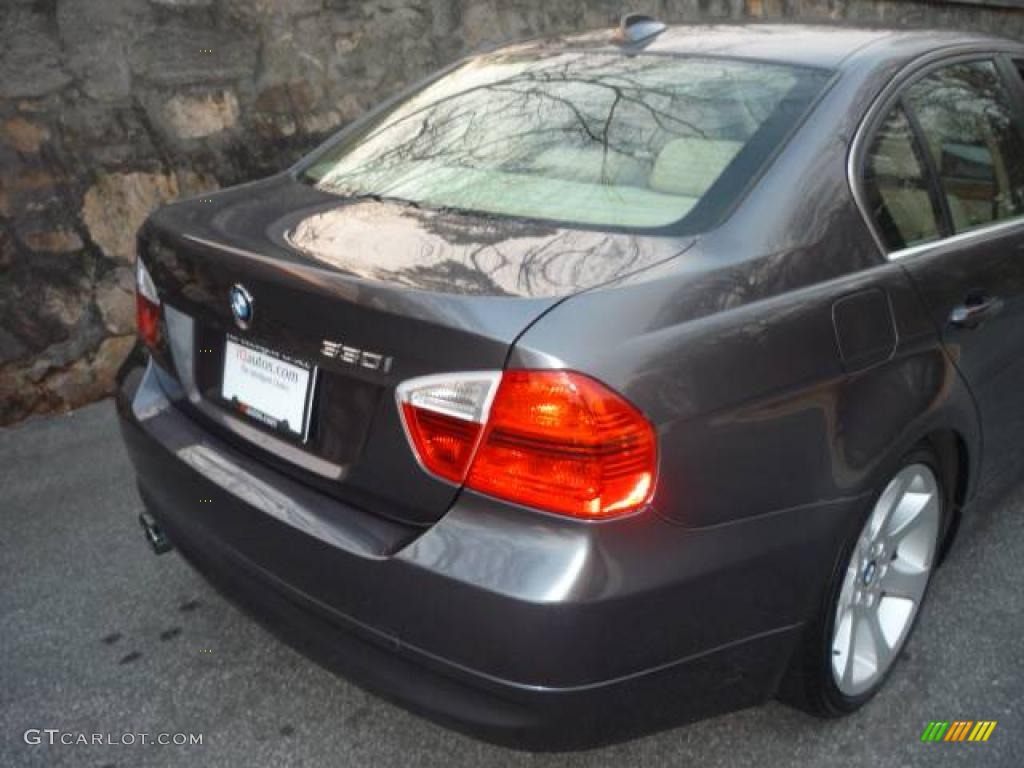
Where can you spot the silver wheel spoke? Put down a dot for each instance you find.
(846, 594)
(883, 509)
(842, 646)
(908, 583)
(914, 544)
(848, 669)
(865, 662)
(879, 645)
(906, 513)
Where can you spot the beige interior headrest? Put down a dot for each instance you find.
(593, 165)
(689, 166)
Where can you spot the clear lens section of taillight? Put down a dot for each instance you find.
(444, 416)
(147, 306)
(554, 440)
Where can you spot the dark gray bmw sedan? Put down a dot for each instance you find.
(598, 384)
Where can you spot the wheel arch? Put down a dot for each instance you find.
(954, 457)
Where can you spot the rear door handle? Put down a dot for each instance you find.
(974, 311)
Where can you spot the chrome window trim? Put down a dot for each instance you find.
(879, 108)
(962, 237)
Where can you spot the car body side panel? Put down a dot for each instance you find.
(733, 353)
(754, 411)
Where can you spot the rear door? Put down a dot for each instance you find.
(954, 217)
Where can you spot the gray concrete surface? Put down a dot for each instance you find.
(98, 635)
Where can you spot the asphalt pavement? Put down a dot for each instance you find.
(99, 636)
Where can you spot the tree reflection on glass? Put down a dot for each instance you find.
(967, 122)
(599, 139)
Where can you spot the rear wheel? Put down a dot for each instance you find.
(875, 595)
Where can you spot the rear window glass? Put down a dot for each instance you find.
(634, 141)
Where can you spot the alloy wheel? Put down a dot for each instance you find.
(885, 580)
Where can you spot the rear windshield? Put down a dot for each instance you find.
(612, 140)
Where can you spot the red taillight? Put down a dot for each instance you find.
(147, 319)
(147, 306)
(563, 442)
(554, 440)
(444, 444)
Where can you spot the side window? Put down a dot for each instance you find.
(897, 186)
(969, 129)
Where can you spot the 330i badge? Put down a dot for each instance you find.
(374, 361)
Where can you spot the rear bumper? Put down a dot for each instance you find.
(519, 628)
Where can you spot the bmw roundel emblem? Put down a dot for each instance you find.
(241, 305)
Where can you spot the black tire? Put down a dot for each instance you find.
(808, 683)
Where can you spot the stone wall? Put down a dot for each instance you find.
(110, 107)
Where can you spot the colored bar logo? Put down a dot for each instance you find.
(958, 730)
